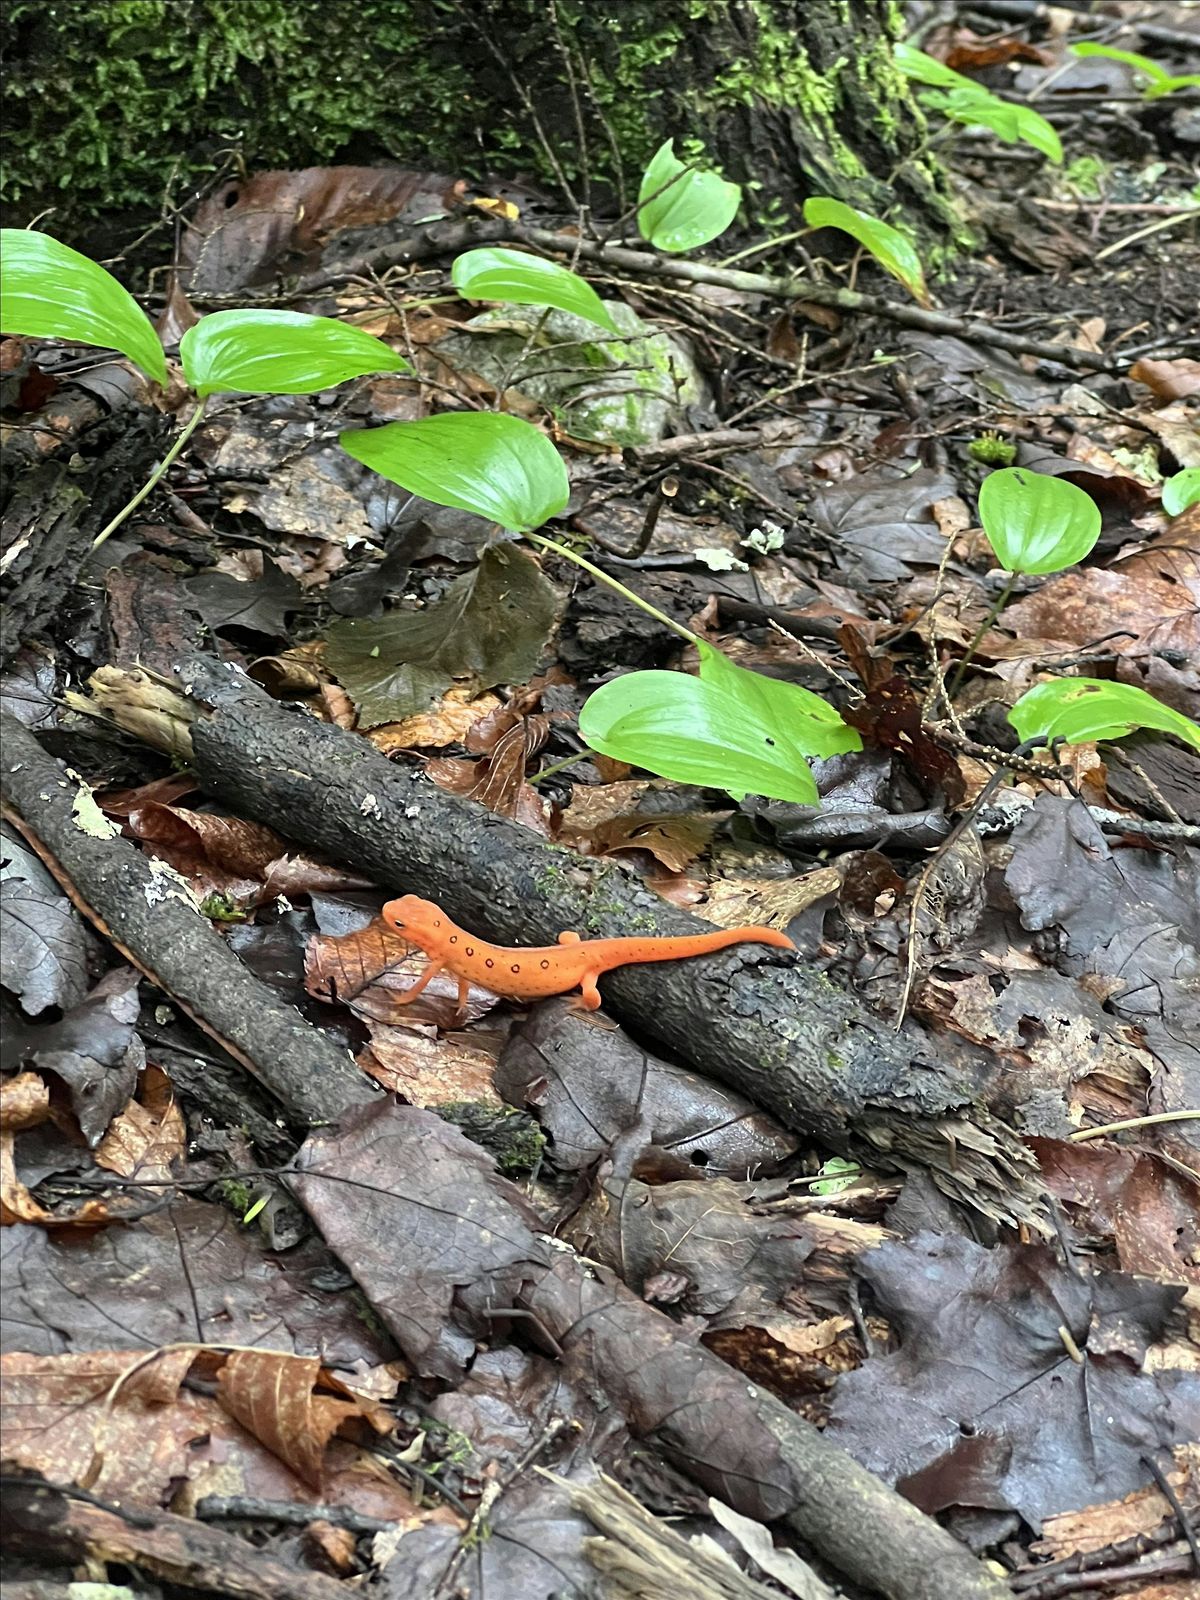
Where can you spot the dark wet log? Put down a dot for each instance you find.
(147, 915)
(776, 1029)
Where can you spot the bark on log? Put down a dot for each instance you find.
(155, 926)
(52, 512)
(783, 1034)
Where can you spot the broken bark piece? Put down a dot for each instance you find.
(147, 914)
(772, 1027)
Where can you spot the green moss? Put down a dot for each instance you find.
(511, 1137)
(106, 97)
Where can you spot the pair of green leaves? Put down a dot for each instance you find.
(970, 103)
(50, 291)
(682, 207)
(728, 729)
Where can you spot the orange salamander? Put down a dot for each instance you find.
(534, 973)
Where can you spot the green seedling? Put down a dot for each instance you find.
(1036, 524)
(1181, 491)
(48, 290)
(967, 102)
(682, 207)
(892, 249)
(1158, 81)
(525, 280)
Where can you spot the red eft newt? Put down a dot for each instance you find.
(535, 972)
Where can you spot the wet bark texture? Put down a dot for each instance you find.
(56, 497)
(772, 1027)
(150, 920)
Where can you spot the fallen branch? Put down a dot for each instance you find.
(784, 1035)
(149, 917)
(394, 1180)
(447, 238)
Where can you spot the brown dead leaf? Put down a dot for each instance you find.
(770, 902)
(18, 1205)
(146, 1139)
(675, 839)
(120, 802)
(57, 1420)
(448, 721)
(275, 1397)
(1168, 380)
(430, 1072)
(1135, 615)
(498, 781)
(1074, 1533)
(970, 53)
(372, 969)
(24, 1102)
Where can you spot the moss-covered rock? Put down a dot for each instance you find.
(617, 391)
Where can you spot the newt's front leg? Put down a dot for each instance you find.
(431, 971)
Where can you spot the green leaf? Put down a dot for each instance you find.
(923, 68)
(497, 466)
(49, 291)
(1160, 81)
(837, 1174)
(1037, 523)
(525, 280)
(692, 732)
(728, 729)
(979, 108)
(1082, 710)
(680, 209)
(785, 709)
(970, 103)
(491, 626)
(893, 251)
(1181, 491)
(279, 352)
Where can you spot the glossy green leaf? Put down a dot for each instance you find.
(525, 280)
(923, 68)
(490, 626)
(1181, 491)
(693, 732)
(1159, 81)
(969, 102)
(1015, 124)
(837, 1174)
(1082, 710)
(681, 209)
(786, 710)
(893, 251)
(497, 466)
(279, 352)
(1037, 523)
(49, 291)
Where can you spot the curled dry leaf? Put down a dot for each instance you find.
(148, 1138)
(1168, 380)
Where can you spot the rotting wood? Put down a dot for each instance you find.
(152, 923)
(774, 1028)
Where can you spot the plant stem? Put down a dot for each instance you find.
(185, 435)
(997, 608)
(618, 588)
(559, 766)
(1133, 1122)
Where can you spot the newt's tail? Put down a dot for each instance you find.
(619, 952)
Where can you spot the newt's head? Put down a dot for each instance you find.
(412, 915)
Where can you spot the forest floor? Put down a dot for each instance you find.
(930, 1186)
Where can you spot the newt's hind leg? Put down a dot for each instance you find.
(567, 937)
(588, 1000)
(460, 1010)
